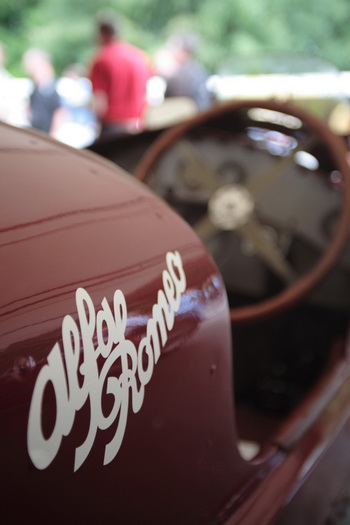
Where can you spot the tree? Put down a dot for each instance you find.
(225, 27)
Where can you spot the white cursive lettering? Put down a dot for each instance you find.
(103, 337)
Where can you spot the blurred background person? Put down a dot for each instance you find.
(6, 87)
(4, 74)
(183, 74)
(119, 76)
(45, 107)
(74, 88)
(13, 94)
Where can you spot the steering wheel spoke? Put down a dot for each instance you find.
(205, 228)
(257, 185)
(197, 170)
(267, 248)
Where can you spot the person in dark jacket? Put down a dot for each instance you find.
(45, 107)
(188, 77)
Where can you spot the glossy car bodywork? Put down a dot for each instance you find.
(118, 402)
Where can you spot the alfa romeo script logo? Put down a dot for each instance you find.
(136, 365)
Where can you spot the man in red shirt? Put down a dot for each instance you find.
(119, 76)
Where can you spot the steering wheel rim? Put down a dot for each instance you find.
(307, 283)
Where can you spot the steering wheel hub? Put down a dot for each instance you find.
(230, 207)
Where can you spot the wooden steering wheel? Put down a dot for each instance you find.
(265, 184)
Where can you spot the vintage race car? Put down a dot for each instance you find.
(148, 377)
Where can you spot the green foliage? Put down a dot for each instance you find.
(225, 27)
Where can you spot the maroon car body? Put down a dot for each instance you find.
(116, 383)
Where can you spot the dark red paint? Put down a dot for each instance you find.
(72, 220)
